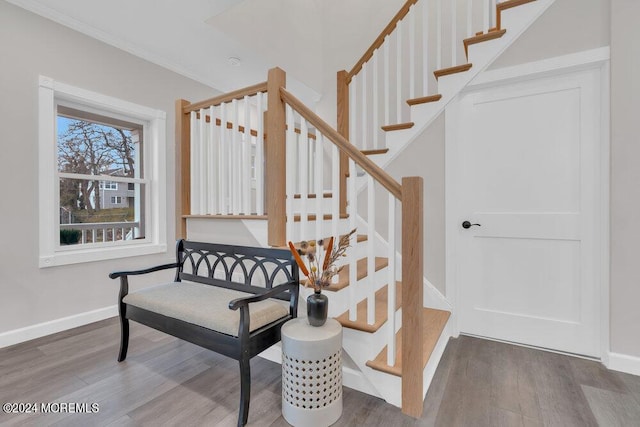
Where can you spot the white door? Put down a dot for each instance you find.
(527, 171)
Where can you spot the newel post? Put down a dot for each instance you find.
(343, 129)
(275, 159)
(412, 290)
(183, 168)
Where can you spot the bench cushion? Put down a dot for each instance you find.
(205, 305)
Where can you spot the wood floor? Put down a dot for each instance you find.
(165, 381)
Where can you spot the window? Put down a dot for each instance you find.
(102, 146)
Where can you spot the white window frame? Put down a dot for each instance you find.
(116, 200)
(108, 185)
(154, 130)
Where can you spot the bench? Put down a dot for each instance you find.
(228, 299)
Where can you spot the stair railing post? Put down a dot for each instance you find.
(412, 294)
(343, 129)
(183, 168)
(275, 159)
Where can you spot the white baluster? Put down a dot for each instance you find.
(486, 16)
(223, 162)
(363, 73)
(425, 48)
(195, 165)
(202, 159)
(387, 77)
(236, 189)
(399, 72)
(353, 111)
(335, 193)
(469, 18)
(391, 284)
(412, 53)
(375, 107)
(303, 164)
(318, 181)
(353, 261)
(292, 165)
(212, 207)
(259, 159)
(246, 160)
(454, 33)
(492, 13)
(371, 254)
(438, 34)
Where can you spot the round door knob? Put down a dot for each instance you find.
(467, 224)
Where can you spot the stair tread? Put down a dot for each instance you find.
(452, 70)
(313, 217)
(313, 196)
(434, 323)
(482, 38)
(399, 126)
(361, 267)
(374, 152)
(360, 323)
(424, 99)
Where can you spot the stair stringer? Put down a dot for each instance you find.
(515, 20)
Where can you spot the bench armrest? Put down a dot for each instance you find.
(117, 274)
(245, 301)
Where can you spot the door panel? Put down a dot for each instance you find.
(527, 172)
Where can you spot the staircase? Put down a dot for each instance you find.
(259, 162)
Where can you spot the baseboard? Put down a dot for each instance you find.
(624, 363)
(17, 336)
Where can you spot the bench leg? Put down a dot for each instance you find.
(124, 338)
(245, 391)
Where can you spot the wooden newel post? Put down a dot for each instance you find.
(183, 168)
(412, 290)
(343, 129)
(275, 159)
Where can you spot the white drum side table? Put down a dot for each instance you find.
(311, 373)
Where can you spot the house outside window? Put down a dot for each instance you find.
(104, 194)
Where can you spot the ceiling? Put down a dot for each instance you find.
(197, 38)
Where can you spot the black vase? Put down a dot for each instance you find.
(317, 308)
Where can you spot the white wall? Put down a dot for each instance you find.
(30, 46)
(625, 177)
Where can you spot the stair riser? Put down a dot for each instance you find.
(311, 233)
(339, 301)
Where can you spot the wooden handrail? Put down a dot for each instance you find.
(221, 99)
(380, 39)
(344, 146)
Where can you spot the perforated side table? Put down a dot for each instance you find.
(311, 373)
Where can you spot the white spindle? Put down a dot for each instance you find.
(486, 16)
(425, 47)
(236, 189)
(335, 193)
(375, 107)
(223, 162)
(291, 166)
(492, 13)
(391, 286)
(202, 159)
(195, 165)
(454, 33)
(318, 180)
(371, 254)
(259, 165)
(469, 18)
(387, 77)
(399, 72)
(363, 72)
(303, 167)
(412, 52)
(94, 235)
(353, 261)
(246, 160)
(212, 206)
(113, 234)
(353, 111)
(438, 34)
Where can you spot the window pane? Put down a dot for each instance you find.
(91, 214)
(98, 148)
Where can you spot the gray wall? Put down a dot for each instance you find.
(29, 46)
(625, 177)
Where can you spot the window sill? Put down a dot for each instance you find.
(100, 254)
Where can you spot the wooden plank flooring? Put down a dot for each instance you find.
(167, 382)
